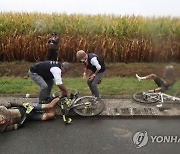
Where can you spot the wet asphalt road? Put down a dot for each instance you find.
(89, 136)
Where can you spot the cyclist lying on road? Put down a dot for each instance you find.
(163, 83)
(11, 119)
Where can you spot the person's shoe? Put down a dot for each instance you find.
(98, 99)
(138, 77)
(99, 82)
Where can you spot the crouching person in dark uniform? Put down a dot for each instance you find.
(43, 73)
(97, 67)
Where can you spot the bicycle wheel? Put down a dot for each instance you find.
(148, 98)
(88, 106)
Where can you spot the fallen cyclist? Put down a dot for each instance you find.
(165, 82)
(13, 118)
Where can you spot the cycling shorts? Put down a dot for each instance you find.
(160, 83)
(33, 115)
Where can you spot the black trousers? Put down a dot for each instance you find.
(52, 54)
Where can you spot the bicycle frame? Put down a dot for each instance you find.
(81, 105)
(74, 100)
(161, 97)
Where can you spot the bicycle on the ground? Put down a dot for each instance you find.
(81, 105)
(156, 97)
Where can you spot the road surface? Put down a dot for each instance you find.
(97, 135)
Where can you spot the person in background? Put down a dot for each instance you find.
(167, 80)
(53, 43)
(43, 74)
(97, 67)
(10, 119)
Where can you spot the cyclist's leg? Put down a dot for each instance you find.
(21, 110)
(159, 82)
(161, 85)
(150, 76)
(48, 115)
(41, 116)
(46, 106)
(51, 104)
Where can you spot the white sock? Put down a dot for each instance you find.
(140, 78)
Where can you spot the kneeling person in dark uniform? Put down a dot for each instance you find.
(43, 73)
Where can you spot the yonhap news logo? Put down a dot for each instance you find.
(141, 138)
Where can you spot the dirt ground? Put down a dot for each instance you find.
(116, 69)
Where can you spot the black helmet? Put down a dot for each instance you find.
(53, 33)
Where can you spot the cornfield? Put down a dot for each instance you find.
(23, 36)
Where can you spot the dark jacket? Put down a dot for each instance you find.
(100, 60)
(43, 68)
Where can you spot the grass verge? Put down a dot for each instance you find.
(109, 86)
